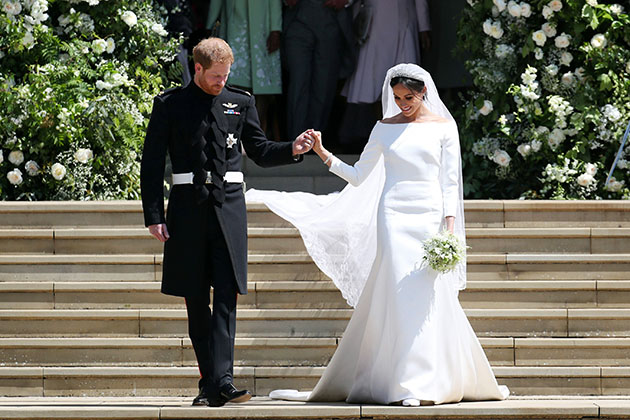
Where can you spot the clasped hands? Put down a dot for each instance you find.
(309, 139)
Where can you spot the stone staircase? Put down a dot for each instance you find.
(81, 314)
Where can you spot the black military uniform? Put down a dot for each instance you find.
(206, 221)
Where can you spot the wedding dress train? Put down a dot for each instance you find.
(408, 337)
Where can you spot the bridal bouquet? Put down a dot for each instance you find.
(443, 251)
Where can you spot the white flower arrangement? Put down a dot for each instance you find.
(443, 252)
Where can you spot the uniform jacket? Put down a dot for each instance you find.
(175, 121)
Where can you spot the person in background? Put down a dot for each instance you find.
(253, 30)
(319, 49)
(387, 44)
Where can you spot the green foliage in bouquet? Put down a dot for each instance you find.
(443, 252)
(77, 79)
(550, 100)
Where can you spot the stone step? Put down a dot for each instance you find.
(177, 408)
(116, 351)
(306, 295)
(478, 213)
(302, 322)
(274, 351)
(300, 267)
(182, 381)
(286, 240)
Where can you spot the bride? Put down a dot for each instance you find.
(408, 340)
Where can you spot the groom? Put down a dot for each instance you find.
(203, 126)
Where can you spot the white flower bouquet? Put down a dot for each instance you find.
(443, 251)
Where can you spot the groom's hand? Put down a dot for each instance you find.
(303, 143)
(160, 232)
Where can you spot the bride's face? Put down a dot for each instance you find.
(407, 100)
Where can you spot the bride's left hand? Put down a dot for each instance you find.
(450, 224)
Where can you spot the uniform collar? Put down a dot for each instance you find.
(199, 93)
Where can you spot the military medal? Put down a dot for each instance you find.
(230, 109)
(231, 140)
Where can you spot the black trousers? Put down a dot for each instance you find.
(212, 331)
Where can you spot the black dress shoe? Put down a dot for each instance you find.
(229, 393)
(209, 399)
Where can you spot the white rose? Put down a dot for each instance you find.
(487, 24)
(486, 108)
(501, 157)
(524, 149)
(599, 41)
(1, 156)
(566, 58)
(32, 168)
(614, 185)
(549, 29)
(526, 10)
(111, 45)
(83, 155)
(12, 8)
(496, 31)
(622, 164)
(15, 176)
(555, 5)
(539, 38)
(500, 4)
(471, 3)
(129, 18)
(16, 157)
(568, 78)
(547, 12)
(552, 69)
(538, 53)
(514, 9)
(592, 2)
(536, 145)
(495, 11)
(159, 29)
(99, 46)
(563, 40)
(585, 180)
(590, 169)
(58, 171)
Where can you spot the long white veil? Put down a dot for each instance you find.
(339, 229)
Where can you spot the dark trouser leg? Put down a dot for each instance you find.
(212, 331)
(299, 45)
(325, 74)
(199, 331)
(223, 325)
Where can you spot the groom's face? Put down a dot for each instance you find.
(213, 79)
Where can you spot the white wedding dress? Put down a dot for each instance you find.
(408, 337)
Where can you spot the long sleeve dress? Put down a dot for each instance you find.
(408, 337)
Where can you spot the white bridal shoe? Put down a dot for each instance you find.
(411, 402)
